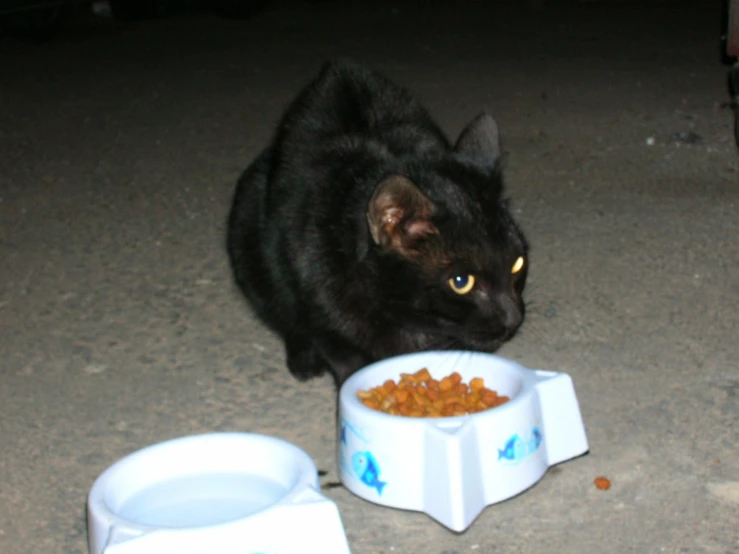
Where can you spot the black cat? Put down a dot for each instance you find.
(362, 233)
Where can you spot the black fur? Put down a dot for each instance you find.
(345, 231)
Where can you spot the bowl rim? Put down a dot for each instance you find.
(100, 498)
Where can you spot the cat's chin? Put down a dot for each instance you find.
(456, 337)
(486, 344)
(488, 347)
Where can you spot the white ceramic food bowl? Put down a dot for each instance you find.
(224, 493)
(452, 467)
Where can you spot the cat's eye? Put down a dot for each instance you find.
(462, 284)
(517, 265)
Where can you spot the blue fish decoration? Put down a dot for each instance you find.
(512, 450)
(537, 437)
(516, 449)
(366, 469)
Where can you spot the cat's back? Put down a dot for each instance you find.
(347, 99)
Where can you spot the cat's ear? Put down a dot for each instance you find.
(399, 213)
(480, 141)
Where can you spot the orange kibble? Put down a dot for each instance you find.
(602, 483)
(446, 384)
(420, 400)
(420, 395)
(422, 376)
(401, 395)
(489, 398)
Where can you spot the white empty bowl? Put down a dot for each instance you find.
(224, 493)
(452, 467)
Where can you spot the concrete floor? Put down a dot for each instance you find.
(119, 325)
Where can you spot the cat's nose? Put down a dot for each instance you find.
(511, 313)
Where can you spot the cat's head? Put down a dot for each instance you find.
(451, 257)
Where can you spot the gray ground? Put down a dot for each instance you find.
(120, 327)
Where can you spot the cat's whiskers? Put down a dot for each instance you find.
(534, 315)
(449, 364)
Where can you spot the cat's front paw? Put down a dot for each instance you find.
(303, 359)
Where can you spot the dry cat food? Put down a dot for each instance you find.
(419, 395)
(602, 483)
